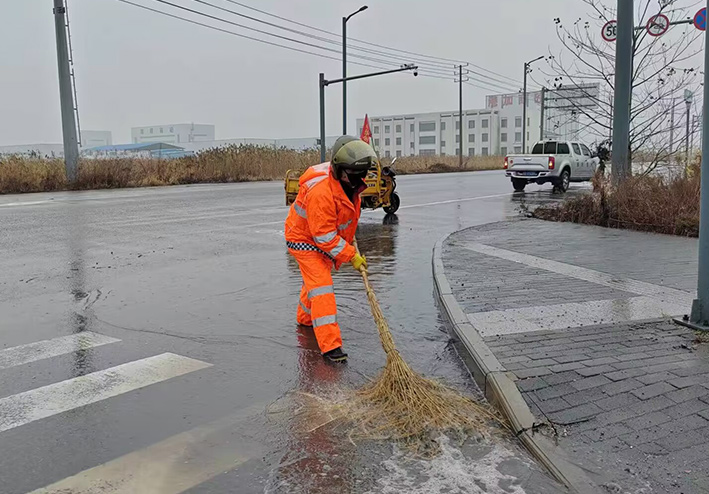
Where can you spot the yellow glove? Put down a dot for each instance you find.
(358, 261)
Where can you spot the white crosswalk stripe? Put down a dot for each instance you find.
(40, 350)
(36, 404)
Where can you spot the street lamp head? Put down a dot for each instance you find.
(363, 8)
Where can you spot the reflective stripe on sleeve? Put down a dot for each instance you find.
(321, 290)
(323, 239)
(344, 226)
(300, 211)
(338, 248)
(322, 321)
(305, 309)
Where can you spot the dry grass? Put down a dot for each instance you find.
(228, 164)
(645, 203)
(403, 405)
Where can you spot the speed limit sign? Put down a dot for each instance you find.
(610, 31)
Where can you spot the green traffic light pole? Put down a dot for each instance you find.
(323, 83)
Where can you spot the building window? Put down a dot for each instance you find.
(503, 123)
(518, 137)
(471, 124)
(485, 152)
(503, 151)
(376, 129)
(387, 129)
(387, 142)
(411, 128)
(457, 138)
(471, 151)
(486, 137)
(398, 154)
(427, 126)
(151, 130)
(411, 145)
(471, 137)
(387, 154)
(503, 137)
(427, 152)
(443, 144)
(376, 142)
(172, 129)
(443, 126)
(518, 122)
(142, 131)
(528, 121)
(485, 123)
(398, 141)
(161, 130)
(457, 125)
(427, 140)
(457, 152)
(518, 149)
(398, 129)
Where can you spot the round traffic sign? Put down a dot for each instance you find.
(610, 31)
(700, 19)
(658, 25)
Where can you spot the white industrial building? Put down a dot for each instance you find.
(95, 138)
(89, 139)
(494, 130)
(299, 144)
(172, 133)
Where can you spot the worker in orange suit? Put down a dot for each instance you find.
(319, 231)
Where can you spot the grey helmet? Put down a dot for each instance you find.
(352, 155)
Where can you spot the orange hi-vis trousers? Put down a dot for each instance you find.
(317, 306)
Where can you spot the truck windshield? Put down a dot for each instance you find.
(544, 148)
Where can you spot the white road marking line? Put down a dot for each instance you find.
(570, 315)
(24, 203)
(40, 350)
(23, 408)
(173, 465)
(667, 295)
(452, 201)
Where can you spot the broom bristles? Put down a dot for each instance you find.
(401, 404)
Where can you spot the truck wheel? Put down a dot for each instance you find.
(395, 202)
(562, 185)
(519, 184)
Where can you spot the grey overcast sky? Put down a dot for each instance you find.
(136, 67)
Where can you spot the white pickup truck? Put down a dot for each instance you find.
(558, 162)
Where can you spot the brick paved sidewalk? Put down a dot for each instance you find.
(565, 309)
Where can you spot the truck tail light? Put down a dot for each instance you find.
(506, 163)
(552, 162)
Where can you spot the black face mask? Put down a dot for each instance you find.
(356, 178)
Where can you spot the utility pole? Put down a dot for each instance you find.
(623, 91)
(524, 104)
(344, 67)
(541, 125)
(460, 115)
(66, 95)
(672, 129)
(321, 85)
(700, 308)
(688, 97)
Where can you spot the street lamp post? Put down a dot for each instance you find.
(323, 83)
(344, 67)
(524, 103)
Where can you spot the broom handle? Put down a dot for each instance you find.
(382, 326)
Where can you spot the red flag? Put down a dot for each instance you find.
(366, 131)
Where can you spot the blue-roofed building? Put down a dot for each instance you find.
(144, 150)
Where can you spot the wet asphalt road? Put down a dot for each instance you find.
(201, 272)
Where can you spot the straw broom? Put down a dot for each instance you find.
(403, 405)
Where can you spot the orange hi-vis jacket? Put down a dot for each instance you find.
(322, 218)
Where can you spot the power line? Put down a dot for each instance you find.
(441, 59)
(385, 64)
(271, 43)
(437, 67)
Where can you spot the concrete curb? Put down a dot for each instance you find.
(500, 390)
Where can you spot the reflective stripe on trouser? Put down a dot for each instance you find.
(318, 297)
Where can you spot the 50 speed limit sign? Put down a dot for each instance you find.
(610, 31)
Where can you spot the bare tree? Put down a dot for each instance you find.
(663, 67)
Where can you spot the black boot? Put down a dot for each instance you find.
(336, 355)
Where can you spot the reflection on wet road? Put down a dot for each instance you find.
(201, 273)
